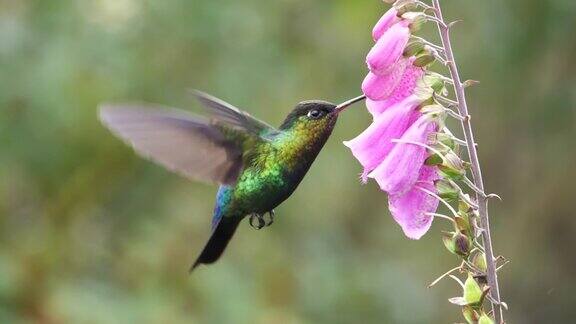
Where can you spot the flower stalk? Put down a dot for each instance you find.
(492, 275)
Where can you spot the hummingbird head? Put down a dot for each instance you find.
(308, 127)
(316, 114)
(312, 115)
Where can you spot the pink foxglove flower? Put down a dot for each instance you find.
(388, 48)
(372, 145)
(377, 87)
(404, 88)
(395, 88)
(411, 209)
(400, 169)
(385, 22)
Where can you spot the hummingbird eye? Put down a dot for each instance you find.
(315, 113)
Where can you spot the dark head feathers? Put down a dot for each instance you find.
(304, 107)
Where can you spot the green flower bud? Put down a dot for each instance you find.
(446, 139)
(424, 59)
(479, 260)
(446, 190)
(470, 314)
(404, 6)
(462, 244)
(414, 47)
(433, 159)
(417, 19)
(472, 291)
(453, 167)
(462, 224)
(457, 243)
(469, 83)
(463, 206)
(485, 319)
(432, 109)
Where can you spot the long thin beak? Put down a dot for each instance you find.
(341, 107)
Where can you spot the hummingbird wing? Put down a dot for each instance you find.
(228, 114)
(177, 140)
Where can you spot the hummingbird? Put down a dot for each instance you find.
(256, 166)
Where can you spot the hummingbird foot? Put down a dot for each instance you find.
(270, 219)
(257, 221)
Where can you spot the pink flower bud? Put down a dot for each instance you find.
(410, 209)
(385, 22)
(388, 48)
(372, 145)
(400, 169)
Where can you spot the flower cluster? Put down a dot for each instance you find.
(413, 157)
(394, 148)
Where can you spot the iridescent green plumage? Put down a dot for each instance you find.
(273, 168)
(257, 166)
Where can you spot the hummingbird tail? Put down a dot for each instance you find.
(218, 241)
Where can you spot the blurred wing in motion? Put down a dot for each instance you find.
(177, 140)
(227, 113)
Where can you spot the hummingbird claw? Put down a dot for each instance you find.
(271, 215)
(257, 217)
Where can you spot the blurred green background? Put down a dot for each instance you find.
(90, 233)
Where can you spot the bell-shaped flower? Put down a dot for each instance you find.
(405, 87)
(378, 87)
(411, 210)
(400, 169)
(385, 22)
(373, 145)
(388, 48)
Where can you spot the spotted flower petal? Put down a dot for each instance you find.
(400, 169)
(403, 89)
(377, 87)
(410, 209)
